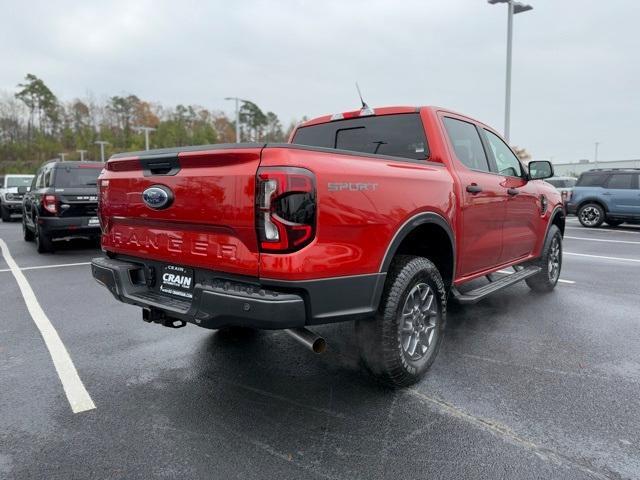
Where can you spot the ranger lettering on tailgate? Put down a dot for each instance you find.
(172, 242)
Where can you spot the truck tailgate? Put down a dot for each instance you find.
(209, 221)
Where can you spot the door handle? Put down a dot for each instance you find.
(513, 191)
(473, 188)
(606, 193)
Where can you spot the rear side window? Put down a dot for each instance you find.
(400, 135)
(592, 179)
(466, 143)
(623, 181)
(75, 177)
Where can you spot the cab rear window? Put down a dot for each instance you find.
(400, 135)
(75, 177)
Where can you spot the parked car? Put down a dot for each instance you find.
(564, 185)
(376, 217)
(62, 204)
(610, 195)
(10, 197)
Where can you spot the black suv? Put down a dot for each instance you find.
(62, 203)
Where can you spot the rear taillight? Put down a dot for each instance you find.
(50, 203)
(566, 195)
(285, 208)
(102, 190)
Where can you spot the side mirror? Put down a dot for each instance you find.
(540, 169)
(22, 190)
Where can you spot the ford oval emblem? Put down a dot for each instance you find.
(157, 197)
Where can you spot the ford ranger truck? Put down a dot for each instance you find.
(373, 216)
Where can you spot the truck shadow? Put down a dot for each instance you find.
(268, 395)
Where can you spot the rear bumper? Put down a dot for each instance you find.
(220, 300)
(571, 208)
(67, 227)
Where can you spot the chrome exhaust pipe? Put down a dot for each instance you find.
(311, 340)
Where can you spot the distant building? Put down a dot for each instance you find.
(574, 169)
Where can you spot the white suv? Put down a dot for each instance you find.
(10, 198)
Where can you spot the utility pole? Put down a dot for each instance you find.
(102, 144)
(238, 100)
(514, 8)
(595, 157)
(62, 155)
(81, 152)
(146, 131)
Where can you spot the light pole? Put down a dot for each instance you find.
(81, 152)
(62, 155)
(595, 156)
(146, 131)
(514, 8)
(102, 144)
(238, 100)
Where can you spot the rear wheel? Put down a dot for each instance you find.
(591, 215)
(43, 243)
(614, 223)
(550, 263)
(26, 233)
(399, 345)
(5, 213)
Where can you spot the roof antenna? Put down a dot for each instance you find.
(366, 110)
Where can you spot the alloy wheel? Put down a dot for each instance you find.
(590, 215)
(555, 257)
(419, 321)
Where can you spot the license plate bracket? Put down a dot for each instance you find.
(177, 281)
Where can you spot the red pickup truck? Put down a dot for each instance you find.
(375, 216)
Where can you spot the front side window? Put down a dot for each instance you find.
(622, 181)
(507, 163)
(400, 135)
(466, 143)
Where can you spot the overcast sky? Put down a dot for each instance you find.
(576, 71)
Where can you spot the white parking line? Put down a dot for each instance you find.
(77, 394)
(560, 280)
(39, 267)
(634, 260)
(602, 240)
(602, 230)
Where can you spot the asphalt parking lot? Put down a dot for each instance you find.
(526, 385)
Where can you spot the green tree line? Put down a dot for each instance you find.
(36, 126)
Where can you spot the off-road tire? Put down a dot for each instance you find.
(591, 215)
(546, 280)
(382, 339)
(43, 243)
(5, 214)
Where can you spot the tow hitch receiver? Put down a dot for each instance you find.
(152, 315)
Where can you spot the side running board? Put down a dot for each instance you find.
(478, 294)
